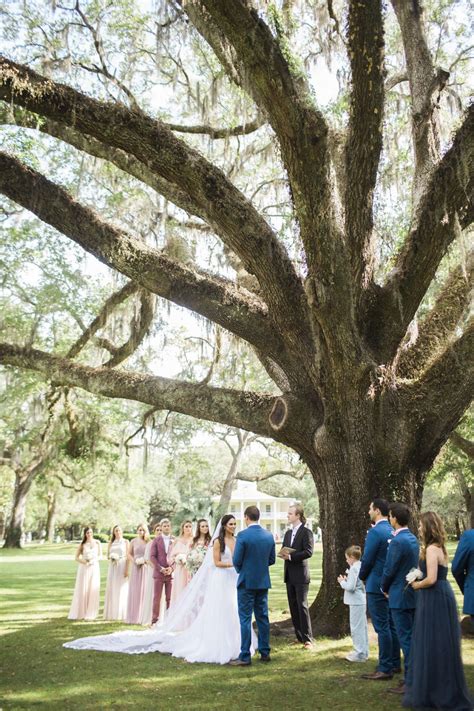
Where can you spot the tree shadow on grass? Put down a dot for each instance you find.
(38, 672)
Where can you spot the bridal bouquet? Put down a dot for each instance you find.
(140, 561)
(195, 559)
(115, 557)
(181, 558)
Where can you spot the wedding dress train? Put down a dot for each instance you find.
(203, 625)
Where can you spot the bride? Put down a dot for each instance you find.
(203, 626)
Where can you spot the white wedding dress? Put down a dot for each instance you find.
(203, 625)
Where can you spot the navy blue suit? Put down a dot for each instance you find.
(371, 570)
(463, 569)
(254, 553)
(402, 555)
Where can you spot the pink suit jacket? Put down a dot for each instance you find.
(158, 555)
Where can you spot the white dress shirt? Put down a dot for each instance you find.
(294, 532)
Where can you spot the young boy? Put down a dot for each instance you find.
(354, 596)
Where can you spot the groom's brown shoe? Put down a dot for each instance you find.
(265, 658)
(239, 663)
(377, 676)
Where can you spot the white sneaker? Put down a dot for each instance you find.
(354, 657)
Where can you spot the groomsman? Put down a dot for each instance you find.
(463, 571)
(372, 565)
(402, 556)
(297, 576)
(162, 570)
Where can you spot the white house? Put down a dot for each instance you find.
(273, 509)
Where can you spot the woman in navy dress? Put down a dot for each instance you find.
(436, 676)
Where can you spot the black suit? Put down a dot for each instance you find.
(297, 579)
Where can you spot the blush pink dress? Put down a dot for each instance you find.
(180, 575)
(136, 587)
(116, 592)
(85, 600)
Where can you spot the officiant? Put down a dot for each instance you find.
(297, 576)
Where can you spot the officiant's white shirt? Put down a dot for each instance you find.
(294, 532)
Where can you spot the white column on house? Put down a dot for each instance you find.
(242, 515)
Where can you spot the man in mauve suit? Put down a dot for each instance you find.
(297, 576)
(162, 570)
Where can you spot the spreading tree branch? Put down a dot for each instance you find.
(447, 205)
(440, 322)
(212, 297)
(425, 86)
(364, 140)
(148, 140)
(204, 129)
(101, 319)
(264, 65)
(139, 327)
(439, 398)
(465, 445)
(246, 410)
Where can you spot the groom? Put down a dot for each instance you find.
(254, 553)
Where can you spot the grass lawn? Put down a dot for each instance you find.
(36, 672)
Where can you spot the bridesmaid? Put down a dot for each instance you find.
(202, 537)
(148, 582)
(85, 600)
(435, 676)
(136, 562)
(116, 592)
(177, 558)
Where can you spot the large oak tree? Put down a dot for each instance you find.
(365, 404)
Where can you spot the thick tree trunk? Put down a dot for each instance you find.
(14, 530)
(51, 519)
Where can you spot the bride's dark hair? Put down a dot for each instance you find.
(221, 537)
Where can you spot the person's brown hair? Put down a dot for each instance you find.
(112, 536)
(183, 524)
(252, 512)
(146, 537)
(84, 537)
(207, 537)
(221, 537)
(432, 532)
(354, 552)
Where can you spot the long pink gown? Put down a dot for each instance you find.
(148, 589)
(137, 583)
(116, 592)
(181, 575)
(85, 600)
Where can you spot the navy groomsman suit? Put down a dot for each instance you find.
(463, 570)
(372, 565)
(402, 555)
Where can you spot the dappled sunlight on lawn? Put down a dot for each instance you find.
(38, 671)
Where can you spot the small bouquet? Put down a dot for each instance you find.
(195, 559)
(89, 557)
(412, 575)
(140, 561)
(115, 557)
(181, 558)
